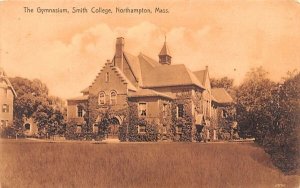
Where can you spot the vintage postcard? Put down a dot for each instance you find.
(150, 93)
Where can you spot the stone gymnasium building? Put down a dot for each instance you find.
(7, 95)
(138, 91)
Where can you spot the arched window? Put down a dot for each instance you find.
(101, 99)
(27, 126)
(113, 98)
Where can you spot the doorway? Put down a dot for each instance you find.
(113, 128)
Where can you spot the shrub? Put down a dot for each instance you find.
(85, 134)
(187, 134)
(8, 132)
(123, 132)
(150, 135)
(269, 112)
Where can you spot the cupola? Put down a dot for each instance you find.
(165, 55)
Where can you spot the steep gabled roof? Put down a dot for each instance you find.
(203, 77)
(220, 95)
(201, 74)
(124, 79)
(144, 59)
(171, 75)
(121, 75)
(148, 93)
(5, 78)
(86, 90)
(134, 65)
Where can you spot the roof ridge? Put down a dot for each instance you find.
(133, 66)
(123, 78)
(147, 58)
(193, 76)
(98, 74)
(221, 95)
(149, 93)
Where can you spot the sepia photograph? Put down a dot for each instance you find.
(150, 93)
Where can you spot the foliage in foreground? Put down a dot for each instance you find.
(269, 112)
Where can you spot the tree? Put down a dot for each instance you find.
(269, 112)
(223, 82)
(254, 97)
(282, 140)
(33, 101)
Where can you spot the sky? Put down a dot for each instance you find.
(66, 51)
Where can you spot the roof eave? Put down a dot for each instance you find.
(159, 96)
(79, 99)
(14, 92)
(172, 85)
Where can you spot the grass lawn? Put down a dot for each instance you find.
(42, 164)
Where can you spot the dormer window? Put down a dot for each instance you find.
(101, 99)
(113, 98)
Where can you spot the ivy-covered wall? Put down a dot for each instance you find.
(223, 118)
(132, 134)
(164, 127)
(72, 134)
(182, 128)
(159, 124)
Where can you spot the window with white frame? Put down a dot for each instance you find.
(164, 130)
(207, 108)
(223, 113)
(101, 98)
(113, 98)
(95, 128)
(78, 129)
(142, 129)
(180, 110)
(3, 123)
(80, 111)
(5, 108)
(165, 110)
(142, 109)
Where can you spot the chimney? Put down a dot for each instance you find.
(119, 53)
